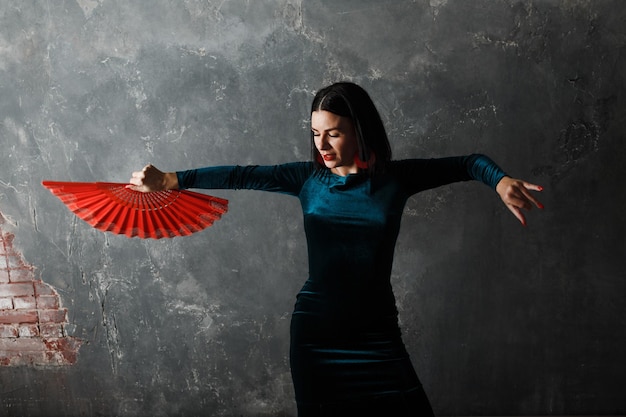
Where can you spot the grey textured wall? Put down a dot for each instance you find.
(499, 319)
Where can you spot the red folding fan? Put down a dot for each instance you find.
(112, 207)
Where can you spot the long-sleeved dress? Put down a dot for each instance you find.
(346, 348)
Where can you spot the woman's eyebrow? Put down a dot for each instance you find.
(327, 130)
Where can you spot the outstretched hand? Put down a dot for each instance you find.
(516, 195)
(152, 179)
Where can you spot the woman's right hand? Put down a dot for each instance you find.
(152, 179)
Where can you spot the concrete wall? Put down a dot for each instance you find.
(499, 319)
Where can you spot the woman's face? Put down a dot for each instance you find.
(335, 140)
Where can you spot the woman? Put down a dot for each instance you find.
(347, 355)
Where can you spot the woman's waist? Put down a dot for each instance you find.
(341, 290)
(347, 309)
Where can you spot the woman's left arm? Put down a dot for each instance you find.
(516, 195)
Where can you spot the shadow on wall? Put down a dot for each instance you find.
(32, 323)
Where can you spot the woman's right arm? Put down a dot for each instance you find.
(286, 178)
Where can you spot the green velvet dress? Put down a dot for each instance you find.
(347, 354)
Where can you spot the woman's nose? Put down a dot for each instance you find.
(321, 142)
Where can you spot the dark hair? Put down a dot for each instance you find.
(350, 100)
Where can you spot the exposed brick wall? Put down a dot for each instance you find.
(32, 321)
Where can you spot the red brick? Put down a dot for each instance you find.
(66, 346)
(8, 330)
(22, 344)
(16, 289)
(15, 316)
(47, 302)
(52, 316)
(54, 357)
(28, 330)
(23, 358)
(24, 303)
(31, 320)
(14, 261)
(21, 274)
(36, 351)
(8, 239)
(51, 330)
(41, 288)
(6, 303)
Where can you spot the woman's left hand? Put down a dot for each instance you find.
(516, 195)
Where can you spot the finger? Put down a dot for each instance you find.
(136, 179)
(533, 200)
(531, 186)
(530, 196)
(519, 200)
(143, 171)
(517, 213)
(137, 175)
